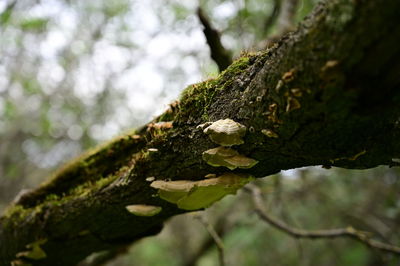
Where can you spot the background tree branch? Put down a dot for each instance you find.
(221, 56)
(363, 237)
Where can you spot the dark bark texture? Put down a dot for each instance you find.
(327, 94)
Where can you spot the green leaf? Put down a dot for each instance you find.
(34, 24)
(115, 8)
(9, 110)
(31, 86)
(5, 17)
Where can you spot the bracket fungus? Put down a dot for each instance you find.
(226, 132)
(194, 195)
(223, 156)
(143, 210)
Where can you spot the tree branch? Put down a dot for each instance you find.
(363, 237)
(286, 16)
(217, 239)
(105, 256)
(326, 94)
(219, 54)
(271, 19)
(222, 227)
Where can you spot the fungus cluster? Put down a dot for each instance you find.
(194, 195)
(227, 133)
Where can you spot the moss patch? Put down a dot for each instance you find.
(197, 98)
(87, 168)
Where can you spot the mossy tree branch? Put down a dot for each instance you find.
(326, 94)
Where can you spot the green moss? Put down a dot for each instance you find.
(103, 182)
(89, 167)
(90, 187)
(237, 66)
(17, 213)
(166, 116)
(200, 95)
(52, 197)
(197, 98)
(12, 210)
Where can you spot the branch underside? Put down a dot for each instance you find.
(323, 95)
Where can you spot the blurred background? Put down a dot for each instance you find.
(76, 73)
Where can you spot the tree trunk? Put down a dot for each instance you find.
(326, 94)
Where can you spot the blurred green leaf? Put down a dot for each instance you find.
(34, 24)
(31, 86)
(5, 16)
(356, 255)
(9, 110)
(116, 8)
(180, 11)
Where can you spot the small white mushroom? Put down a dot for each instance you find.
(269, 133)
(226, 132)
(150, 179)
(143, 210)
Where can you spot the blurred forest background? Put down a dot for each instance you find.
(76, 73)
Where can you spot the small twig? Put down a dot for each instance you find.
(219, 54)
(363, 237)
(221, 227)
(105, 257)
(218, 241)
(287, 16)
(270, 21)
(283, 17)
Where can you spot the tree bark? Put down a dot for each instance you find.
(326, 94)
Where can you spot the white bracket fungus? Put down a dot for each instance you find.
(226, 132)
